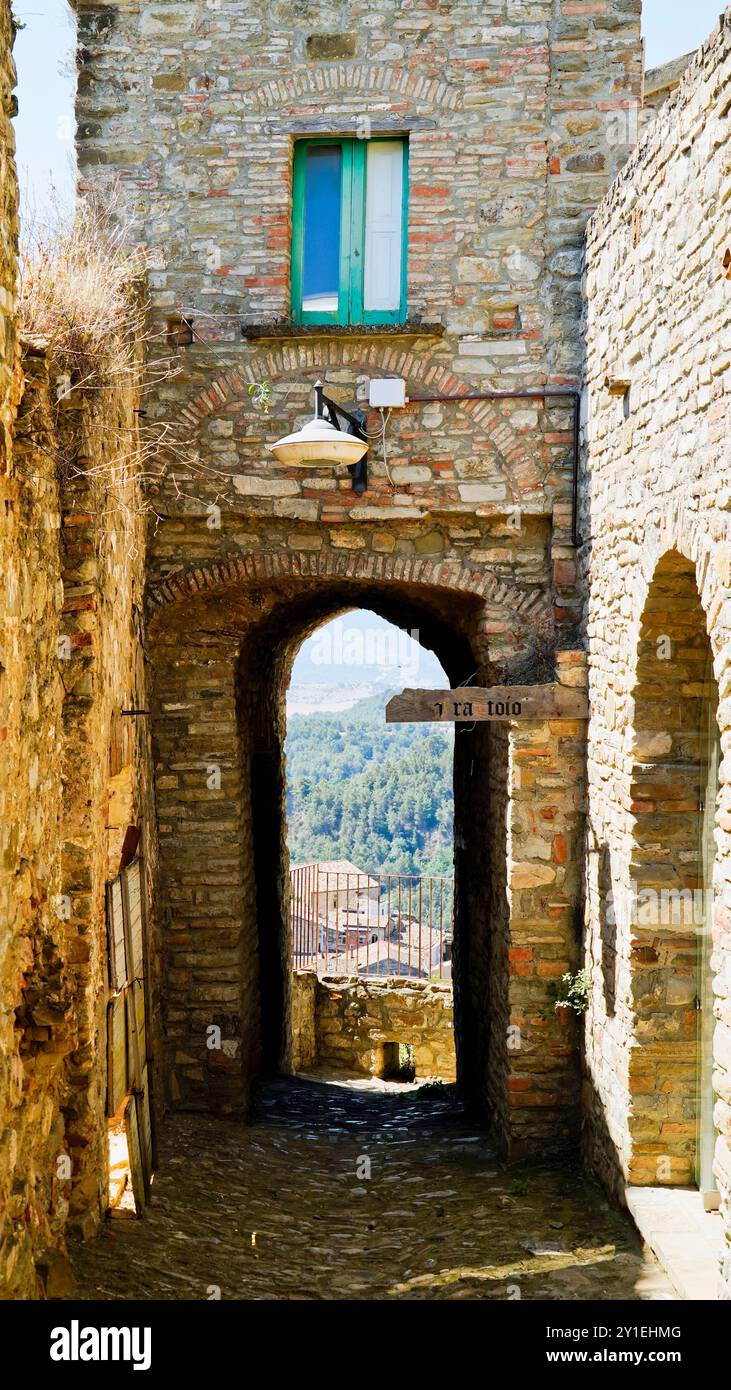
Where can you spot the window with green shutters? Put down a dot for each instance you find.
(349, 231)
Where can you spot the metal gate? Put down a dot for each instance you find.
(128, 1080)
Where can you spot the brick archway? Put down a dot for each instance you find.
(520, 609)
(221, 646)
(683, 532)
(221, 641)
(376, 82)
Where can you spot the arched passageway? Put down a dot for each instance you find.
(237, 653)
(222, 653)
(674, 786)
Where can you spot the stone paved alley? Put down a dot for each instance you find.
(277, 1210)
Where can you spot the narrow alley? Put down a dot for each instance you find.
(285, 1209)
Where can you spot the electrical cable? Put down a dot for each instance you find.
(381, 435)
(384, 423)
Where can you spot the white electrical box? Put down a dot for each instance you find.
(387, 392)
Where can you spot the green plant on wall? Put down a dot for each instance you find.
(576, 991)
(261, 394)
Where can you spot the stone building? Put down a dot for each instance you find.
(655, 556)
(468, 148)
(446, 159)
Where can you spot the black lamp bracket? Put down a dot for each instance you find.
(327, 409)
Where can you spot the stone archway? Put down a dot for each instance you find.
(673, 787)
(502, 603)
(222, 638)
(222, 658)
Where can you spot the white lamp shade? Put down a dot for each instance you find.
(318, 443)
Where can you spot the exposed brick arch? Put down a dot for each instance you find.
(257, 567)
(683, 534)
(378, 78)
(393, 359)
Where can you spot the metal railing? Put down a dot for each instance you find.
(348, 923)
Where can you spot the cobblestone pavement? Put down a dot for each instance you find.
(283, 1209)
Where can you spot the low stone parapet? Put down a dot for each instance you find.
(357, 1025)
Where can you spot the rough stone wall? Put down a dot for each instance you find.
(106, 771)
(355, 1020)
(535, 907)
(9, 378)
(303, 1050)
(655, 496)
(74, 776)
(30, 770)
(33, 1205)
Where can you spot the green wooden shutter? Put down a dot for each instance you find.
(353, 201)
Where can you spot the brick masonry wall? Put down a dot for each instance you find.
(534, 881)
(541, 934)
(506, 106)
(656, 548)
(195, 110)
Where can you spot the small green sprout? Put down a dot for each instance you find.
(577, 989)
(261, 394)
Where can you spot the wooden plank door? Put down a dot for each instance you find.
(128, 1074)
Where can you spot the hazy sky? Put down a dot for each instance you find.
(359, 646)
(44, 127)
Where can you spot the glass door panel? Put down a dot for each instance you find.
(322, 219)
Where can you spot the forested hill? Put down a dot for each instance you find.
(378, 794)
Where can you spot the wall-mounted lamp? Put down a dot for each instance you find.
(322, 441)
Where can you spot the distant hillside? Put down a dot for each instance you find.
(334, 695)
(375, 793)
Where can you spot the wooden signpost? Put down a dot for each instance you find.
(501, 703)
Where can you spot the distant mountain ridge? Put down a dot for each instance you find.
(310, 698)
